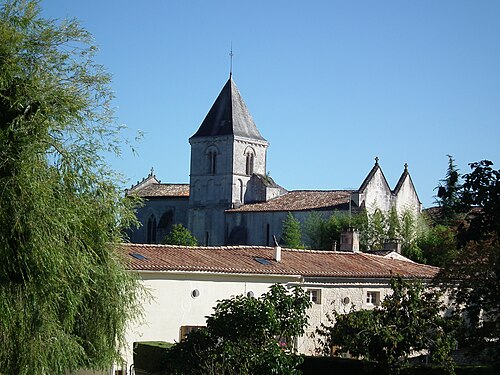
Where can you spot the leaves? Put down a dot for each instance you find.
(246, 335)
(65, 296)
(408, 320)
(179, 235)
(291, 233)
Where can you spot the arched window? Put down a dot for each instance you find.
(250, 156)
(151, 230)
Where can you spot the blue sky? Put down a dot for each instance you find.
(330, 84)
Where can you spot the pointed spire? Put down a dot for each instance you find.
(229, 116)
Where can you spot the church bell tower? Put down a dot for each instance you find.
(226, 151)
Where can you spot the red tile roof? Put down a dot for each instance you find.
(300, 200)
(241, 259)
(162, 190)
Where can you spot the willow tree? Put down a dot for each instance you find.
(65, 296)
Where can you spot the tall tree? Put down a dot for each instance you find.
(393, 225)
(476, 268)
(376, 230)
(448, 195)
(291, 235)
(179, 235)
(410, 233)
(65, 296)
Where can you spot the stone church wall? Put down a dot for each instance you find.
(407, 198)
(166, 211)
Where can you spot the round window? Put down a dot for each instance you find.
(346, 300)
(195, 293)
(250, 294)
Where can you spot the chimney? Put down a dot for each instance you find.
(277, 250)
(349, 240)
(393, 245)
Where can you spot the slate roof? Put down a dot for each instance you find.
(300, 200)
(162, 190)
(241, 259)
(229, 116)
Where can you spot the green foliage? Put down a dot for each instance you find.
(323, 233)
(448, 196)
(291, 235)
(476, 267)
(408, 320)
(246, 335)
(410, 233)
(393, 225)
(481, 189)
(335, 365)
(65, 296)
(179, 235)
(438, 245)
(377, 229)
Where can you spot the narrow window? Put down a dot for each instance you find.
(207, 238)
(151, 230)
(249, 163)
(212, 160)
(268, 234)
(241, 190)
(213, 165)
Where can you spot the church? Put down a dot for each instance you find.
(231, 201)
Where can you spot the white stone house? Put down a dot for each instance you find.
(185, 283)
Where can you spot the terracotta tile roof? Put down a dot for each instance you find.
(300, 200)
(162, 190)
(241, 259)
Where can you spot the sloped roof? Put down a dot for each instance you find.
(242, 259)
(229, 116)
(162, 190)
(401, 181)
(368, 178)
(300, 200)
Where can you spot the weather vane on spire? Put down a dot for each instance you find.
(231, 54)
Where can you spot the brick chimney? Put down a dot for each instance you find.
(349, 240)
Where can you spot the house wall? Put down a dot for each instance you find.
(333, 297)
(171, 304)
